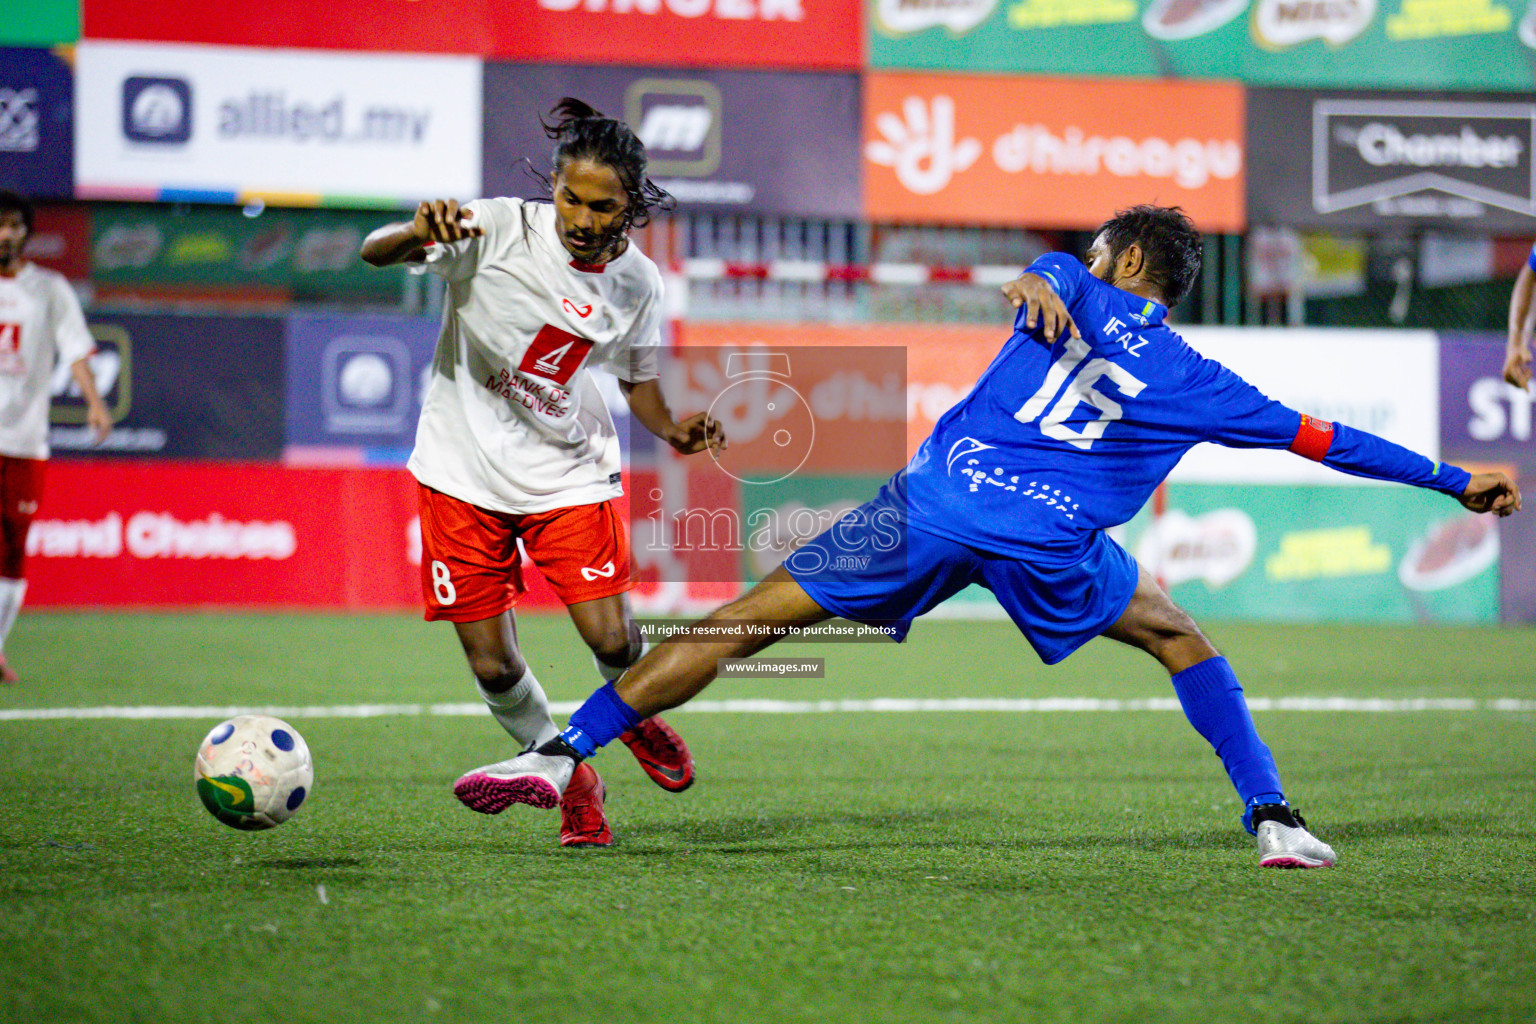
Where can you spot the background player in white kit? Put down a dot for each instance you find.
(40, 322)
(515, 440)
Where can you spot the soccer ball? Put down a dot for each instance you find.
(253, 771)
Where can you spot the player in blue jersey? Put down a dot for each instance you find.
(1090, 403)
(1517, 352)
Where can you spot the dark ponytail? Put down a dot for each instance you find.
(581, 133)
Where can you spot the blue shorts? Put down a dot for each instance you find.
(872, 566)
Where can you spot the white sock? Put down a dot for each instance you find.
(612, 672)
(11, 593)
(523, 711)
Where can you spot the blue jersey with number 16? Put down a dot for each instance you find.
(1055, 442)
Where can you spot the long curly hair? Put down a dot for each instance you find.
(581, 133)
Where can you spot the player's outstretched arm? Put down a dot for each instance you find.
(690, 436)
(1517, 352)
(1491, 492)
(436, 220)
(1361, 453)
(1044, 306)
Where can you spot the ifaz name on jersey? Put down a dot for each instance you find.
(544, 399)
(1116, 330)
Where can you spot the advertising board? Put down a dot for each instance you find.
(225, 124)
(1384, 381)
(178, 386)
(1486, 423)
(356, 382)
(1049, 153)
(1300, 553)
(159, 534)
(730, 141)
(36, 124)
(804, 34)
(1354, 160)
(1414, 44)
(942, 362)
(296, 253)
(39, 22)
(61, 239)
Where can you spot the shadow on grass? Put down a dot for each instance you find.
(1146, 841)
(959, 830)
(769, 827)
(309, 863)
(1422, 826)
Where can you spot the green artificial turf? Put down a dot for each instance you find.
(939, 866)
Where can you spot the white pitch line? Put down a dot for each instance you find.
(902, 705)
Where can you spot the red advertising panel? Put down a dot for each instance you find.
(426, 26)
(61, 240)
(1050, 153)
(722, 33)
(187, 534)
(730, 33)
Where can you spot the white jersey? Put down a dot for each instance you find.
(40, 324)
(512, 421)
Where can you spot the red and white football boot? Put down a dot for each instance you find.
(661, 753)
(581, 810)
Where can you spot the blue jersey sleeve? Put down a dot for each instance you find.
(1065, 274)
(1361, 453)
(1241, 416)
(1244, 417)
(1530, 260)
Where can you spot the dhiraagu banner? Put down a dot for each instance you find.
(1299, 553)
(1415, 44)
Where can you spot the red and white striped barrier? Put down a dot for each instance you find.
(813, 272)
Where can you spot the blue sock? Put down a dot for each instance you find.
(598, 722)
(1213, 702)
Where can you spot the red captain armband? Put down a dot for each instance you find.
(1313, 438)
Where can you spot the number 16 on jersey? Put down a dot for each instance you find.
(1080, 391)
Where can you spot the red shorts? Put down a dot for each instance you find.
(21, 487)
(471, 569)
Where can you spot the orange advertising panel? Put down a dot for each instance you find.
(1050, 153)
(942, 362)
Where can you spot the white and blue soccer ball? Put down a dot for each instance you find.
(253, 771)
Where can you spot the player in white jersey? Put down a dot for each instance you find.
(40, 323)
(515, 442)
